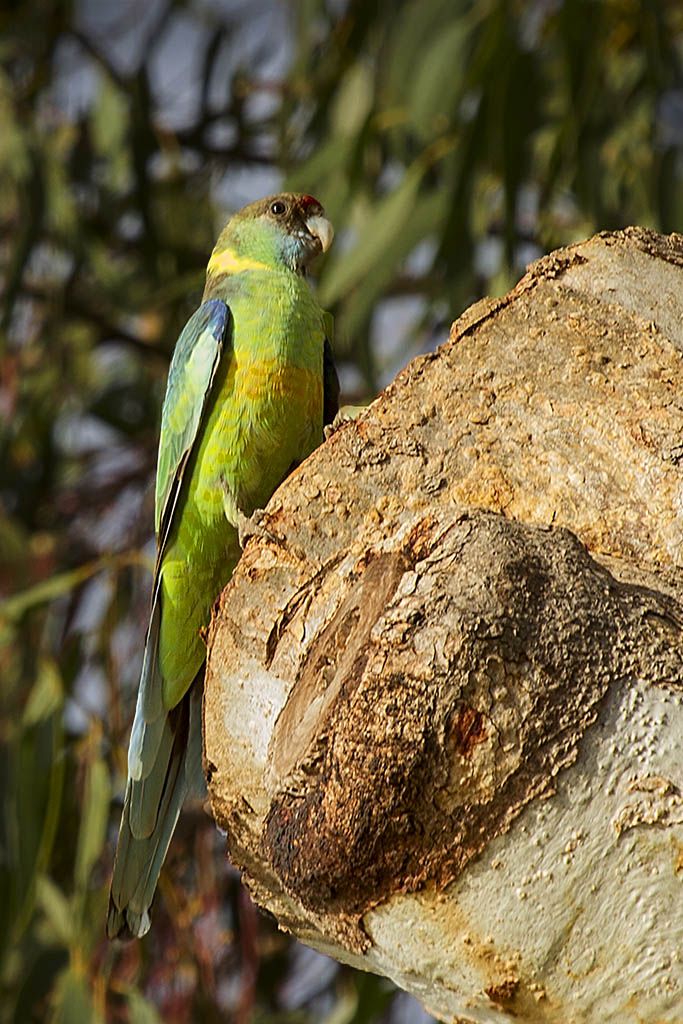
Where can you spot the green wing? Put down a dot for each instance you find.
(164, 757)
(190, 376)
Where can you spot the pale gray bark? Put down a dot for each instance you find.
(443, 712)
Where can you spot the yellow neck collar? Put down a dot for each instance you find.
(227, 262)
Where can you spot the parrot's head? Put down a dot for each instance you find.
(288, 229)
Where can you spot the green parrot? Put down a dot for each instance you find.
(250, 386)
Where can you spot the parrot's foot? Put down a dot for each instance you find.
(345, 415)
(252, 526)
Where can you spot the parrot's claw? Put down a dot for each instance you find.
(252, 526)
(345, 415)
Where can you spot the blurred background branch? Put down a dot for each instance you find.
(451, 142)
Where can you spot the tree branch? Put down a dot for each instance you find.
(443, 696)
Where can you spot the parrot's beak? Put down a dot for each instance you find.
(321, 228)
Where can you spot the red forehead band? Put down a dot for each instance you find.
(306, 201)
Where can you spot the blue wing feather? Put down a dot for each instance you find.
(190, 375)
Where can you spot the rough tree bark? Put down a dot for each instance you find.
(443, 713)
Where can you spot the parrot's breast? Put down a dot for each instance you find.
(267, 401)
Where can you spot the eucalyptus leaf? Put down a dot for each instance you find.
(46, 696)
(73, 1002)
(95, 816)
(31, 808)
(437, 85)
(410, 34)
(375, 240)
(57, 909)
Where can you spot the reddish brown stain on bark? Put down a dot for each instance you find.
(468, 730)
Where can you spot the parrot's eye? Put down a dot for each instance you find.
(278, 208)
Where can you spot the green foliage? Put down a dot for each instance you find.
(525, 124)
(450, 141)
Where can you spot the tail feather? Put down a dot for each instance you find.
(139, 856)
(147, 791)
(150, 714)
